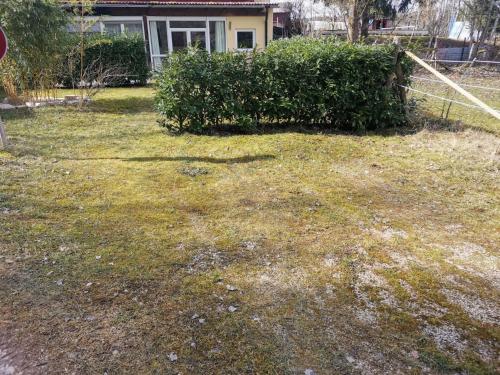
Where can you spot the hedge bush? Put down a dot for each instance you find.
(123, 53)
(299, 80)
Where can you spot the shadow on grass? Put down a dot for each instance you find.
(17, 114)
(237, 160)
(137, 104)
(417, 122)
(436, 124)
(129, 105)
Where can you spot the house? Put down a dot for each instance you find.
(380, 23)
(167, 26)
(281, 22)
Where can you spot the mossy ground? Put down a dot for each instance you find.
(350, 254)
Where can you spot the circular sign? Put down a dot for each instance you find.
(4, 46)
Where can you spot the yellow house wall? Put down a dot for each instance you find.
(256, 23)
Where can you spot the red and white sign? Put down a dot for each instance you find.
(4, 45)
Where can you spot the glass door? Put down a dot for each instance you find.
(158, 42)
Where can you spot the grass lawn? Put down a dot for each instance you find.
(124, 250)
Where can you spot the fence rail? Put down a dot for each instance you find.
(448, 100)
(462, 61)
(455, 86)
(488, 88)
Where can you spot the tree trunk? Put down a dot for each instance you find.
(365, 22)
(435, 47)
(483, 31)
(472, 42)
(82, 55)
(494, 29)
(353, 21)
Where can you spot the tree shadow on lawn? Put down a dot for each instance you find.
(134, 104)
(129, 105)
(418, 122)
(237, 160)
(16, 114)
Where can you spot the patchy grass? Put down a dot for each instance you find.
(274, 253)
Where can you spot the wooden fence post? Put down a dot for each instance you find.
(398, 73)
(400, 77)
(3, 136)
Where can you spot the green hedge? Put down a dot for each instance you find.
(299, 80)
(124, 53)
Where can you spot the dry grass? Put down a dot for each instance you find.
(349, 254)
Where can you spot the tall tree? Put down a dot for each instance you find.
(37, 37)
(81, 10)
(359, 13)
(481, 16)
(356, 8)
(434, 16)
(298, 17)
(375, 9)
(353, 10)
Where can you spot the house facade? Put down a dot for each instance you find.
(167, 26)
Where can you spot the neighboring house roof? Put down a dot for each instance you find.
(181, 3)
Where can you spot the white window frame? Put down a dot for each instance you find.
(89, 18)
(206, 29)
(254, 41)
(188, 30)
(225, 31)
(117, 19)
(151, 56)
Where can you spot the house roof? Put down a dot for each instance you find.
(182, 3)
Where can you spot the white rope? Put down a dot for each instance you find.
(464, 62)
(446, 99)
(454, 85)
(461, 84)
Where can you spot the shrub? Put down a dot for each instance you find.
(124, 54)
(300, 80)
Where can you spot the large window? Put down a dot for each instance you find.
(112, 27)
(173, 34)
(124, 27)
(245, 40)
(90, 27)
(132, 28)
(109, 25)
